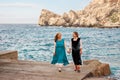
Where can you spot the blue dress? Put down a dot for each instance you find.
(60, 53)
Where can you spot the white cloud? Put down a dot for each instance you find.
(18, 5)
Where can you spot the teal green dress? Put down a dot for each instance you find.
(60, 53)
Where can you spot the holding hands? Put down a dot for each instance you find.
(69, 51)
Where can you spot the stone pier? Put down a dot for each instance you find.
(13, 69)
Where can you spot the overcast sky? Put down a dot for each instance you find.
(28, 11)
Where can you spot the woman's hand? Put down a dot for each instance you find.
(54, 54)
(80, 51)
(69, 51)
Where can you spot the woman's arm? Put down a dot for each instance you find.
(65, 45)
(54, 48)
(70, 48)
(80, 47)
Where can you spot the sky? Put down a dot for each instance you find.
(28, 11)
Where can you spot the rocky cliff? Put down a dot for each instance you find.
(99, 13)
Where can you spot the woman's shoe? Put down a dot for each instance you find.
(59, 69)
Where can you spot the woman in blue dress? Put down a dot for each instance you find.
(59, 55)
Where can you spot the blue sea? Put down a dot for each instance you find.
(35, 42)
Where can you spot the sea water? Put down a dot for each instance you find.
(34, 42)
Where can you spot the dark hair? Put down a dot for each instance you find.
(56, 37)
(76, 33)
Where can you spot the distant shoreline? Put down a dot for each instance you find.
(63, 26)
(84, 26)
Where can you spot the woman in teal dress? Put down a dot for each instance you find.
(59, 55)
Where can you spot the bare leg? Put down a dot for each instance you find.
(75, 68)
(78, 68)
(59, 67)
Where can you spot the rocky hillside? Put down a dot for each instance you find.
(99, 13)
